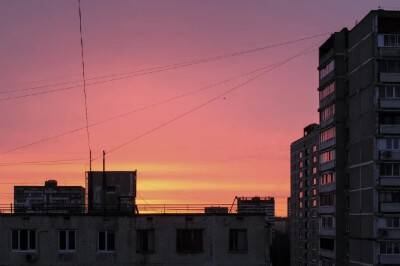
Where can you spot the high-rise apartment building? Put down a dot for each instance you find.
(303, 216)
(359, 143)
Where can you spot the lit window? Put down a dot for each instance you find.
(66, 240)
(238, 240)
(315, 159)
(314, 204)
(106, 241)
(314, 170)
(301, 164)
(327, 134)
(325, 92)
(301, 194)
(301, 184)
(327, 156)
(301, 155)
(314, 148)
(327, 69)
(327, 178)
(301, 174)
(23, 240)
(328, 112)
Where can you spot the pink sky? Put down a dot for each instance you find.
(235, 146)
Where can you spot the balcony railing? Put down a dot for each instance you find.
(392, 259)
(390, 181)
(389, 129)
(389, 103)
(389, 155)
(390, 207)
(389, 77)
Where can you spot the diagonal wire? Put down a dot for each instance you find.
(205, 103)
(83, 75)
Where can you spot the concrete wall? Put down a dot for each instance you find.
(215, 239)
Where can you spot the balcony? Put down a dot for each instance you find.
(392, 259)
(327, 187)
(389, 103)
(328, 165)
(389, 129)
(326, 209)
(390, 207)
(389, 52)
(327, 144)
(389, 155)
(389, 181)
(389, 233)
(328, 78)
(327, 122)
(326, 57)
(389, 77)
(327, 253)
(326, 101)
(327, 231)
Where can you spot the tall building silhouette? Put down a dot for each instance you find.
(359, 146)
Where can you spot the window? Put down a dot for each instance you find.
(327, 112)
(389, 66)
(327, 199)
(301, 164)
(300, 194)
(389, 119)
(325, 92)
(326, 221)
(393, 222)
(389, 169)
(389, 40)
(390, 247)
(389, 196)
(238, 240)
(314, 192)
(315, 159)
(106, 241)
(301, 155)
(314, 148)
(327, 134)
(301, 175)
(145, 241)
(327, 243)
(327, 69)
(314, 181)
(66, 240)
(389, 91)
(327, 178)
(300, 184)
(189, 240)
(23, 240)
(314, 170)
(327, 156)
(300, 204)
(314, 203)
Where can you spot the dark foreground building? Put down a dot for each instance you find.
(122, 239)
(359, 142)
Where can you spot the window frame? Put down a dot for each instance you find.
(67, 237)
(233, 240)
(106, 236)
(191, 248)
(29, 249)
(139, 241)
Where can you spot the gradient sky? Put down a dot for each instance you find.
(237, 145)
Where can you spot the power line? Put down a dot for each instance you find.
(204, 104)
(83, 75)
(147, 71)
(51, 162)
(139, 109)
(172, 120)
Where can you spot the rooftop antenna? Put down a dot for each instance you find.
(90, 160)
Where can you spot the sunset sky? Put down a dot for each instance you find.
(235, 145)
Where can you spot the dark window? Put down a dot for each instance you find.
(145, 241)
(66, 240)
(327, 243)
(327, 199)
(189, 240)
(106, 241)
(238, 240)
(23, 240)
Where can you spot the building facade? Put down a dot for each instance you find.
(359, 142)
(257, 205)
(163, 239)
(304, 200)
(49, 198)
